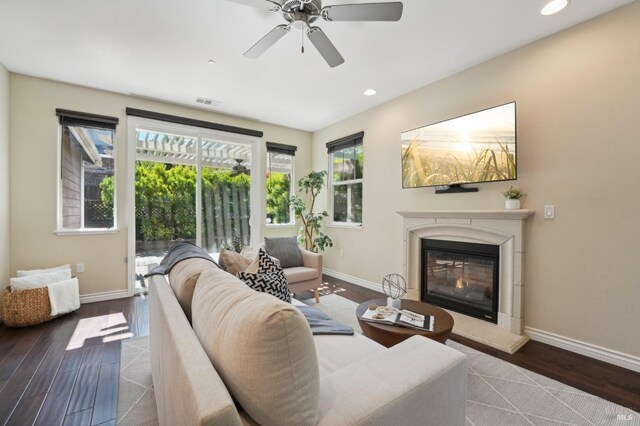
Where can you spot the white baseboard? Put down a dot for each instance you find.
(105, 295)
(610, 356)
(353, 280)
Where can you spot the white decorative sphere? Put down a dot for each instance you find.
(394, 286)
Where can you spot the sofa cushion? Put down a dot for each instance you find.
(262, 348)
(284, 249)
(183, 277)
(233, 262)
(300, 273)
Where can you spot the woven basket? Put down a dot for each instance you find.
(21, 308)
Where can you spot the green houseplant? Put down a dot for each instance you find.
(512, 196)
(310, 234)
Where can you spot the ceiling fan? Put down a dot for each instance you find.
(302, 13)
(240, 169)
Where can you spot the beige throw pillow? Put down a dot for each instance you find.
(262, 348)
(233, 262)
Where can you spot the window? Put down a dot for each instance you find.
(279, 180)
(87, 174)
(345, 174)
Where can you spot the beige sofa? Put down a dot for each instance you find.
(259, 351)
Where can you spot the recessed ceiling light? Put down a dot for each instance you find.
(554, 6)
(370, 92)
(212, 62)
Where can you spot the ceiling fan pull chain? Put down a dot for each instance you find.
(302, 48)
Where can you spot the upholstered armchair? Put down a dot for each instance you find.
(307, 276)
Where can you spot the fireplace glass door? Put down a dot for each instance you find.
(461, 276)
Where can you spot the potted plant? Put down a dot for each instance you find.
(310, 234)
(512, 196)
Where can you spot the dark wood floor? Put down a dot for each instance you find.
(44, 383)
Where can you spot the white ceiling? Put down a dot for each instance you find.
(159, 49)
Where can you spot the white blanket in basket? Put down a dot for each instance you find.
(64, 296)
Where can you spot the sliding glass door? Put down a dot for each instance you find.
(190, 185)
(226, 195)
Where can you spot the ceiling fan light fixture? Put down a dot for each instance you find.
(370, 92)
(302, 14)
(300, 20)
(554, 6)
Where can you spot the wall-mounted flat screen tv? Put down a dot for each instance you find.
(474, 148)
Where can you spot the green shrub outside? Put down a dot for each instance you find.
(165, 198)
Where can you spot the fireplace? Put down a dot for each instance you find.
(502, 228)
(461, 276)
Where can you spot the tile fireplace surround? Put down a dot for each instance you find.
(504, 228)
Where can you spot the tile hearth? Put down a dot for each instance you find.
(504, 228)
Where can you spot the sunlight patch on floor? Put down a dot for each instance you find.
(110, 327)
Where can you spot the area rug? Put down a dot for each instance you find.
(498, 393)
(136, 400)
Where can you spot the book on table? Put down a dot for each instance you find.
(401, 317)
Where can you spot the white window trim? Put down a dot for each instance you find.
(60, 230)
(87, 231)
(292, 192)
(82, 194)
(332, 184)
(345, 225)
(280, 225)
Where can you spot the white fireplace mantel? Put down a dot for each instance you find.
(469, 214)
(504, 228)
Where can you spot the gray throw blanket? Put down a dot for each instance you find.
(178, 252)
(322, 323)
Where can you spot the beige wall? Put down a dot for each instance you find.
(34, 157)
(4, 177)
(578, 118)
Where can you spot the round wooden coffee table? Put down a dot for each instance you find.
(389, 335)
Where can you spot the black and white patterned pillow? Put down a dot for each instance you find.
(269, 279)
(267, 263)
(274, 283)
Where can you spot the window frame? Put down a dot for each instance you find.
(282, 149)
(351, 141)
(81, 119)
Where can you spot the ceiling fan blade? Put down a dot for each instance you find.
(269, 5)
(267, 41)
(328, 51)
(363, 12)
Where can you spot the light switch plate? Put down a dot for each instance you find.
(549, 211)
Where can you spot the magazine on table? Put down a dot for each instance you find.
(400, 317)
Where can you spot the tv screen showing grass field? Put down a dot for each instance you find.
(479, 147)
